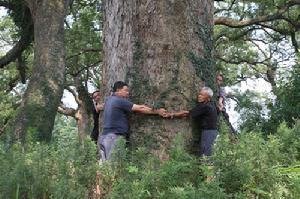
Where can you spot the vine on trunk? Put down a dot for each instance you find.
(205, 65)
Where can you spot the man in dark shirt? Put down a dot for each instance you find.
(205, 115)
(115, 119)
(97, 107)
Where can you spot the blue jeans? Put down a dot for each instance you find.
(107, 144)
(207, 140)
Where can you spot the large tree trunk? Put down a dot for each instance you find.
(45, 88)
(163, 49)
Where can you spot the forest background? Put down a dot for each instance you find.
(51, 47)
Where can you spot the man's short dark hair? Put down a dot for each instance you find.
(96, 91)
(118, 85)
(219, 74)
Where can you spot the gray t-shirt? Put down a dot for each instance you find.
(222, 94)
(116, 110)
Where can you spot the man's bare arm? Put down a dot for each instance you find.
(180, 114)
(148, 110)
(220, 104)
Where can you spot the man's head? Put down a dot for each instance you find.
(205, 94)
(219, 79)
(96, 96)
(121, 89)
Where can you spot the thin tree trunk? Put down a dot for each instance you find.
(45, 88)
(83, 122)
(163, 49)
(84, 115)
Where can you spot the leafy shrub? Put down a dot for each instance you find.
(143, 176)
(65, 168)
(289, 142)
(251, 167)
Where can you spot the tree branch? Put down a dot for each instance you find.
(294, 41)
(233, 23)
(68, 88)
(85, 68)
(22, 44)
(242, 78)
(296, 23)
(233, 36)
(259, 48)
(83, 95)
(225, 9)
(231, 61)
(84, 51)
(21, 67)
(233, 97)
(62, 109)
(12, 84)
(7, 5)
(251, 64)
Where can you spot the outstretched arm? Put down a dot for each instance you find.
(179, 114)
(148, 110)
(220, 103)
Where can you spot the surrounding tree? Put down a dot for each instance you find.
(45, 88)
(256, 40)
(84, 57)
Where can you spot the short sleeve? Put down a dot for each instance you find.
(222, 93)
(125, 105)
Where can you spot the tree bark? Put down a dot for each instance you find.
(163, 49)
(84, 114)
(45, 88)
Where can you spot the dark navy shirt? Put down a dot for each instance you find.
(95, 132)
(116, 110)
(205, 115)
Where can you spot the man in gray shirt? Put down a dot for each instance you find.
(115, 119)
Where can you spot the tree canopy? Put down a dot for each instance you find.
(165, 50)
(253, 39)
